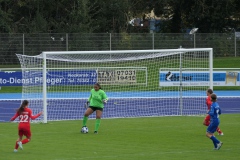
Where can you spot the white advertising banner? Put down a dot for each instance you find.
(198, 78)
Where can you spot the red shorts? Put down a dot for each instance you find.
(207, 118)
(24, 132)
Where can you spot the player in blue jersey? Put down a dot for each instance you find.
(214, 113)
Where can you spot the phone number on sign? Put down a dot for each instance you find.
(125, 72)
(130, 78)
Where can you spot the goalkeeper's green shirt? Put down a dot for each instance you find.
(96, 98)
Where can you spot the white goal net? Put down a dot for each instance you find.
(137, 82)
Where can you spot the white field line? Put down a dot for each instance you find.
(122, 98)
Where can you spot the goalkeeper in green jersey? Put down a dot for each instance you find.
(96, 103)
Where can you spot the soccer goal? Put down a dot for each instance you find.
(139, 83)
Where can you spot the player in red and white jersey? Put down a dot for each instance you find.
(24, 114)
(206, 121)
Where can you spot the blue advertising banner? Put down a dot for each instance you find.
(199, 78)
(68, 77)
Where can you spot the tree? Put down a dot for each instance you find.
(207, 15)
(87, 16)
(109, 16)
(212, 16)
(36, 16)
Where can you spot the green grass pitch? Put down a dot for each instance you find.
(125, 139)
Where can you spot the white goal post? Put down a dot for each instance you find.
(135, 81)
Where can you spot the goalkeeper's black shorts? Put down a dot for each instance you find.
(96, 108)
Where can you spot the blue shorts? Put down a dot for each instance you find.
(212, 127)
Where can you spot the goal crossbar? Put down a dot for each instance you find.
(127, 51)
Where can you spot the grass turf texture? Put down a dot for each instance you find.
(125, 139)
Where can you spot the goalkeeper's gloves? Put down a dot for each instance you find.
(105, 101)
(86, 104)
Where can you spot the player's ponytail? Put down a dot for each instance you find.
(23, 105)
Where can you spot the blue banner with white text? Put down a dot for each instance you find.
(34, 77)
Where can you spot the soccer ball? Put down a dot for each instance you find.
(84, 130)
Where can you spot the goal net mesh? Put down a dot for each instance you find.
(150, 83)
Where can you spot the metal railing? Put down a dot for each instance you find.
(223, 44)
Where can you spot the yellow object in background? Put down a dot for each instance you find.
(231, 77)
